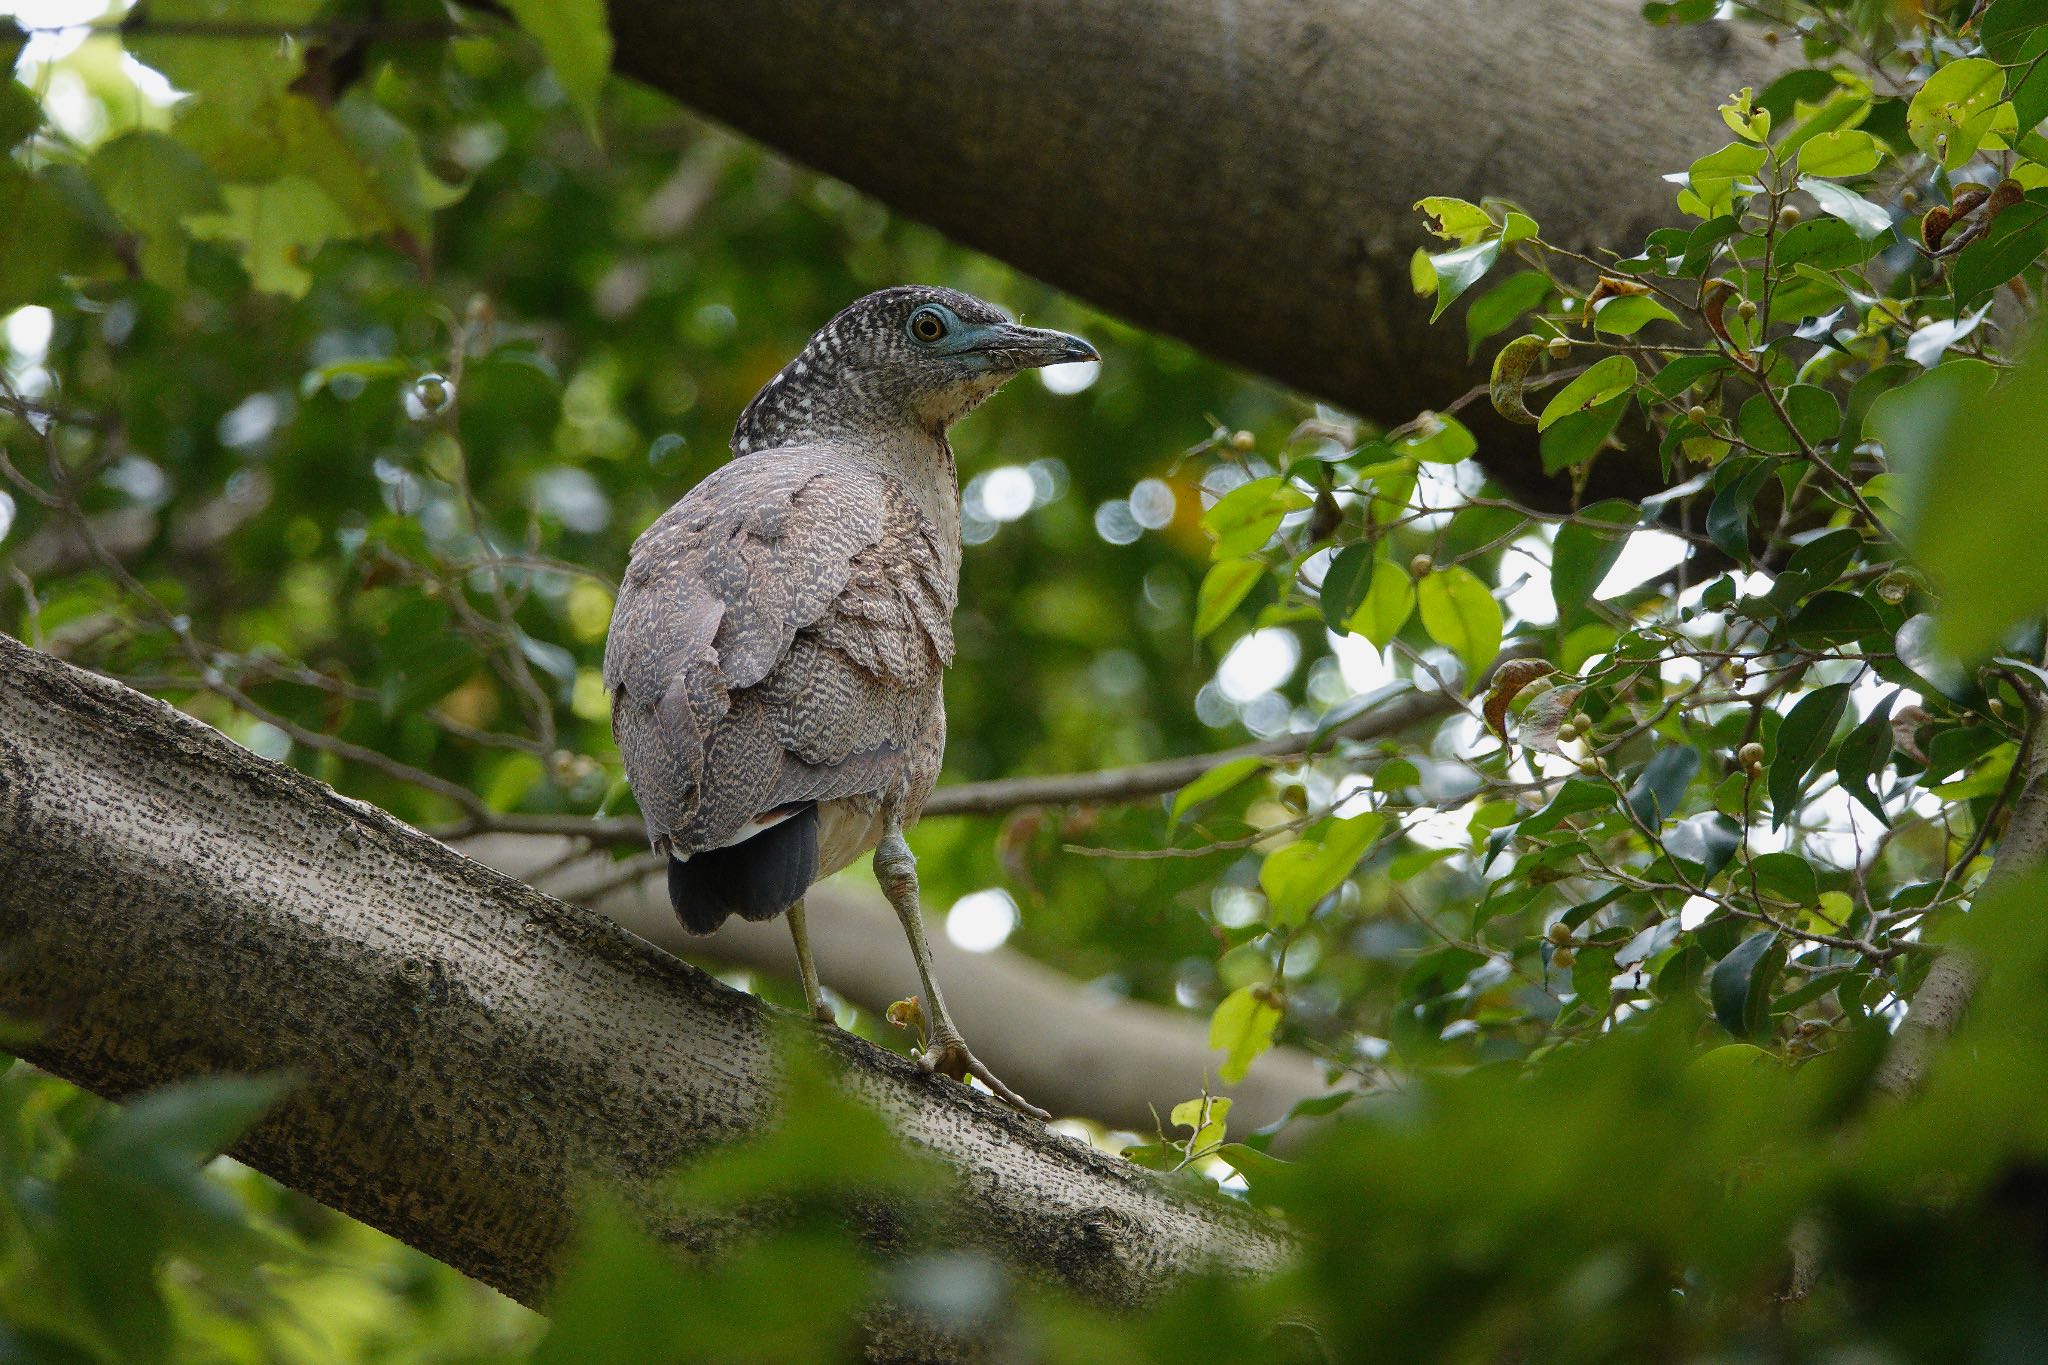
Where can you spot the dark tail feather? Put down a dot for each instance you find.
(758, 878)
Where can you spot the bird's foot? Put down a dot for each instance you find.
(823, 1013)
(950, 1057)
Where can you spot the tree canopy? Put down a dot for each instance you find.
(1626, 863)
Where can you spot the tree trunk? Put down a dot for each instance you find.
(1240, 174)
(171, 905)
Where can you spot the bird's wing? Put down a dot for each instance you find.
(779, 638)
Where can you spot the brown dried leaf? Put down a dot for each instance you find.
(1608, 288)
(1540, 720)
(1508, 681)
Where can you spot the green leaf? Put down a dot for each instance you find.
(1447, 441)
(1499, 306)
(1864, 753)
(1205, 1117)
(154, 182)
(1863, 217)
(1629, 314)
(2015, 239)
(1740, 986)
(1825, 244)
(1243, 1025)
(1846, 151)
(1788, 877)
(1711, 179)
(1579, 436)
(1457, 271)
(1602, 381)
(20, 114)
(1659, 789)
(1214, 783)
(2012, 29)
(1954, 110)
(1297, 876)
(1246, 517)
(1345, 583)
(1961, 447)
(277, 228)
(1223, 587)
(1389, 599)
(576, 38)
(1584, 552)
(1456, 220)
(1575, 797)
(1802, 742)
(1461, 615)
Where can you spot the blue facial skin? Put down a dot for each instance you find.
(982, 347)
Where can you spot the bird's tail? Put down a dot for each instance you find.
(757, 878)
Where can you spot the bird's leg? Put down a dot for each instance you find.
(946, 1052)
(807, 969)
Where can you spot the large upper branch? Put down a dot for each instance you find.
(1238, 174)
(171, 905)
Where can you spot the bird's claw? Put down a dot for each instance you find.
(950, 1057)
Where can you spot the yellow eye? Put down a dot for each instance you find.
(927, 326)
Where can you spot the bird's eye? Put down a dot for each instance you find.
(926, 325)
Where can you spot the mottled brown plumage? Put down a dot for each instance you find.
(778, 645)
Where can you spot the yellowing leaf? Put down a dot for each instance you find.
(1223, 587)
(1243, 1026)
(1297, 877)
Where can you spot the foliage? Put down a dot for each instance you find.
(360, 368)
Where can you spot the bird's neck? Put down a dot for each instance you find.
(922, 461)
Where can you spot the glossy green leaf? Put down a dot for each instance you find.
(1499, 307)
(1801, 744)
(1214, 783)
(1585, 549)
(1601, 382)
(1741, 984)
(1345, 583)
(1461, 615)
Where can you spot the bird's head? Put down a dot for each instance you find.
(915, 356)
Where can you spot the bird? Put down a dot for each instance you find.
(778, 644)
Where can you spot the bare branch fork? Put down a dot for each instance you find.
(172, 905)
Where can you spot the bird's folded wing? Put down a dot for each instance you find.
(779, 638)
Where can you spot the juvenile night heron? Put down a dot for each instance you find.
(776, 653)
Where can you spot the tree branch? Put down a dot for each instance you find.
(1072, 1049)
(1098, 787)
(1243, 176)
(171, 905)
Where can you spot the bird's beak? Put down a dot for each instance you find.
(1027, 348)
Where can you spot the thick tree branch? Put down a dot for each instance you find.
(171, 905)
(1072, 1049)
(1239, 175)
(1952, 979)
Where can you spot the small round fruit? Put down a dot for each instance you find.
(1560, 347)
(1698, 413)
(1421, 565)
(1749, 753)
(1746, 310)
(1559, 933)
(1787, 217)
(1563, 957)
